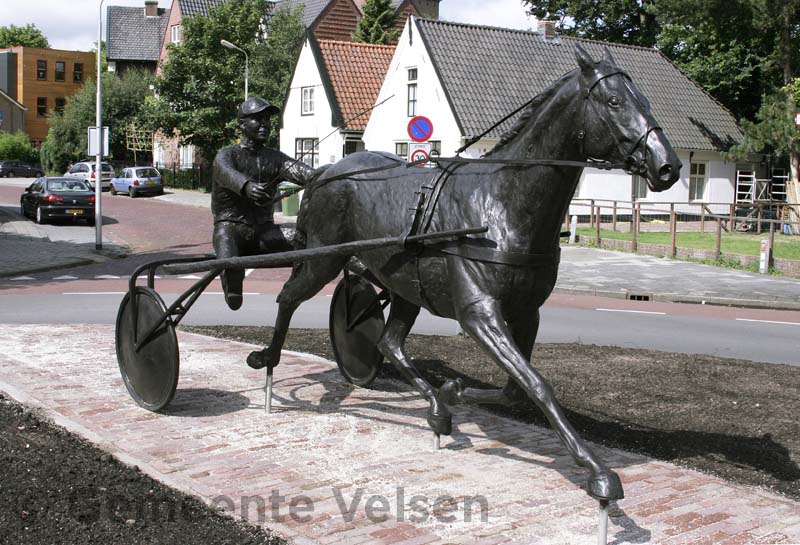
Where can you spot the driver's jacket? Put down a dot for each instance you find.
(236, 165)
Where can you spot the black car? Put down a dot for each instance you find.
(63, 198)
(10, 169)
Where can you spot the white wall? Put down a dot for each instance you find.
(388, 123)
(616, 185)
(317, 125)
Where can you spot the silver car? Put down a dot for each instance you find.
(85, 170)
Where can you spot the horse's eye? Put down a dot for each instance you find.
(614, 102)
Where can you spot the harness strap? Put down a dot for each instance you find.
(485, 254)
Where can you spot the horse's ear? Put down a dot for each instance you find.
(585, 60)
(607, 56)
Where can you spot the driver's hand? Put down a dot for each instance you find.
(257, 193)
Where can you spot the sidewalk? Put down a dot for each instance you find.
(586, 271)
(332, 448)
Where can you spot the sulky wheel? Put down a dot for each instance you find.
(356, 349)
(151, 373)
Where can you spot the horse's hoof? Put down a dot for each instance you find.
(441, 424)
(451, 391)
(605, 486)
(258, 359)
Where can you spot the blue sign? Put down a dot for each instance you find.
(420, 128)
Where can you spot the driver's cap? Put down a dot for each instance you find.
(255, 105)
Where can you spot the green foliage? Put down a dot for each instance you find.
(202, 84)
(631, 22)
(377, 24)
(123, 101)
(18, 147)
(28, 36)
(773, 128)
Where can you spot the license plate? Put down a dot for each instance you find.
(76, 211)
(150, 182)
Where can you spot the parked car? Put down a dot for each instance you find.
(85, 170)
(137, 181)
(10, 169)
(61, 197)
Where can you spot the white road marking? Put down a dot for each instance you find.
(107, 277)
(190, 277)
(23, 278)
(220, 293)
(630, 311)
(65, 277)
(247, 272)
(766, 321)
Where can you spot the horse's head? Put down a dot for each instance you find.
(618, 126)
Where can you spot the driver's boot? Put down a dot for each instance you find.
(232, 287)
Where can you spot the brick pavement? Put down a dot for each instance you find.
(329, 448)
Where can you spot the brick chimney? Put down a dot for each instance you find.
(547, 29)
(427, 9)
(151, 8)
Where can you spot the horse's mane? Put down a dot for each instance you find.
(528, 113)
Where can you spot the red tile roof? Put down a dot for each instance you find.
(356, 71)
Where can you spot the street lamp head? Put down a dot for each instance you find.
(229, 45)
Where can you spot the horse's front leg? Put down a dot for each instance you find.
(483, 321)
(392, 345)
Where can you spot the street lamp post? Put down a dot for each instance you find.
(229, 45)
(98, 180)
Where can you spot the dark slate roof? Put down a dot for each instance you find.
(190, 8)
(488, 72)
(133, 36)
(311, 9)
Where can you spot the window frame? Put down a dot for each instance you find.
(62, 72)
(695, 177)
(41, 69)
(301, 153)
(41, 109)
(411, 100)
(61, 103)
(307, 100)
(77, 72)
(175, 34)
(639, 188)
(401, 149)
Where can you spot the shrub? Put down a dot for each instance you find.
(17, 147)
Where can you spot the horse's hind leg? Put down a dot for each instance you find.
(306, 281)
(524, 332)
(483, 321)
(401, 318)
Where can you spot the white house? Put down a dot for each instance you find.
(464, 78)
(332, 91)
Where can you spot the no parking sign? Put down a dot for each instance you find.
(420, 128)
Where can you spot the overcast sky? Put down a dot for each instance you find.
(72, 24)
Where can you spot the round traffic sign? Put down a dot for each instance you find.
(420, 128)
(419, 155)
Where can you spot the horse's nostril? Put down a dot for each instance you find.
(665, 173)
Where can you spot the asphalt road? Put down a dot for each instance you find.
(737, 333)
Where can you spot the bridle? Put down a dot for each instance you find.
(631, 164)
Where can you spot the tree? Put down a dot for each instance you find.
(28, 36)
(123, 100)
(631, 22)
(377, 24)
(17, 146)
(202, 85)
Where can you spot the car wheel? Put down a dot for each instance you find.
(39, 174)
(9, 174)
(132, 192)
(113, 190)
(39, 216)
(22, 210)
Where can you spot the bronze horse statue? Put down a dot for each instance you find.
(493, 284)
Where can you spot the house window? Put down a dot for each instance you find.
(160, 154)
(638, 188)
(436, 147)
(61, 70)
(60, 103)
(41, 69)
(412, 99)
(412, 92)
(186, 155)
(175, 34)
(698, 180)
(353, 146)
(305, 149)
(41, 106)
(401, 149)
(307, 102)
(77, 71)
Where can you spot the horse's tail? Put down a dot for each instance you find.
(299, 241)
